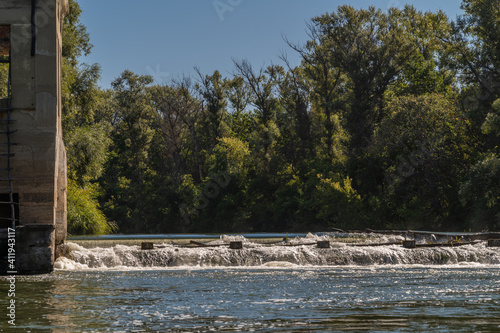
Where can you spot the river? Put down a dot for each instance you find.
(263, 288)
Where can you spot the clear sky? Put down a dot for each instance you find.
(167, 38)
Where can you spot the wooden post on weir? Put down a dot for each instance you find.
(409, 244)
(236, 245)
(147, 246)
(493, 242)
(323, 244)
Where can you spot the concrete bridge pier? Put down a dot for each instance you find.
(32, 152)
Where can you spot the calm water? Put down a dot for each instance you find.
(263, 289)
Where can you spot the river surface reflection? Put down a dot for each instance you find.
(461, 298)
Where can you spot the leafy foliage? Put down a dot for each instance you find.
(338, 203)
(481, 192)
(390, 121)
(85, 132)
(84, 214)
(424, 150)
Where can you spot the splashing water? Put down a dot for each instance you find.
(298, 252)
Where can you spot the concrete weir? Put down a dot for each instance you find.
(32, 152)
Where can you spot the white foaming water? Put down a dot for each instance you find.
(165, 256)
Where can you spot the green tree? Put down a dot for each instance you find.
(238, 95)
(472, 52)
(190, 110)
(85, 134)
(421, 76)
(338, 204)
(127, 176)
(212, 90)
(225, 186)
(89, 152)
(372, 48)
(84, 214)
(376, 127)
(263, 89)
(168, 105)
(475, 46)
(326, 84)
(79, 81)
(491, 125)
(480, 193)
(424, 150)
(295, 144)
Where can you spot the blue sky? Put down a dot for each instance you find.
(167, 38)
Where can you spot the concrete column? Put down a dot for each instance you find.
(39, 164)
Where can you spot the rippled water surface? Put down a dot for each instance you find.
(403, 298)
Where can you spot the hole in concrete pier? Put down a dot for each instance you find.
(4, 62)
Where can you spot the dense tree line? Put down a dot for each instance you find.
(392, 120)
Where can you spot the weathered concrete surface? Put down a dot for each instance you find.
(36, 248)
(39, 164)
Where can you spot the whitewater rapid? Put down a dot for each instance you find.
(164, 256)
